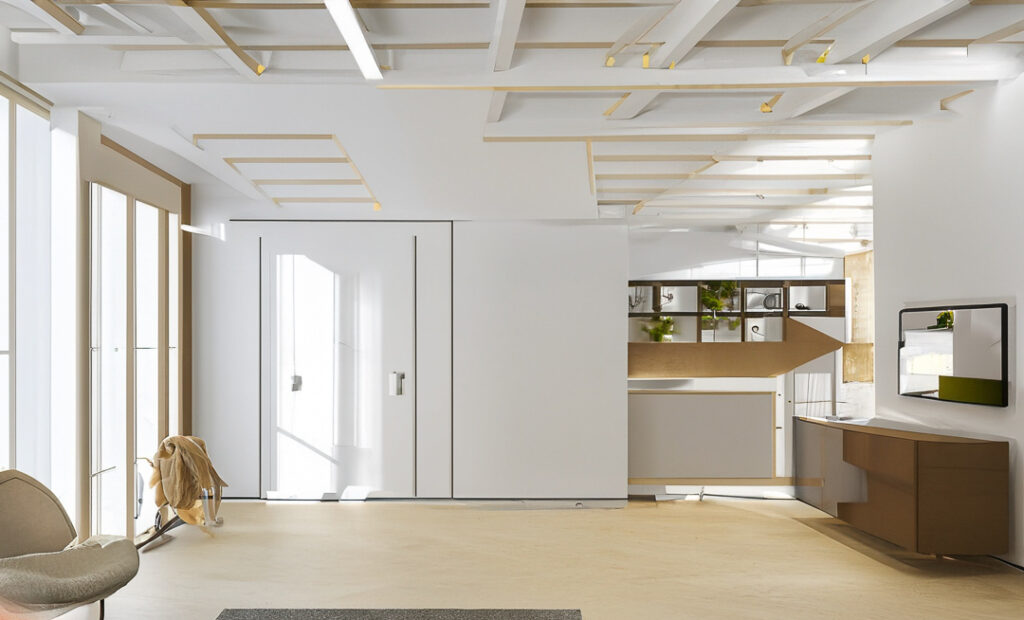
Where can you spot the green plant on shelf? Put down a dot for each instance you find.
(944, 320)
(719, 295)
(660, 330)
(708, 321)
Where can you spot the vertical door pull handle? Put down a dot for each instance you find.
(396, 383)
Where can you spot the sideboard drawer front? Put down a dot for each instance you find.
(888, 457)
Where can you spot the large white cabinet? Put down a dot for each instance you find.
(537, 366)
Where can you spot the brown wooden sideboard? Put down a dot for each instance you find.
(929, 493)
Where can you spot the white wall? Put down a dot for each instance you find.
(226, 356)
(540, 360)
(948, 222)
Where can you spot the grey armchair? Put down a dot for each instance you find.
(41, 576)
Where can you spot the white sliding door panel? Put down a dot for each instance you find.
(540, 360)
(340, 342)
(350, 338)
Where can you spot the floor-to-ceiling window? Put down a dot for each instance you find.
(37, 321)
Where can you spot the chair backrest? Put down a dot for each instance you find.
(31, 517)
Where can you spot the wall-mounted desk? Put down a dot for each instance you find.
(925, 492)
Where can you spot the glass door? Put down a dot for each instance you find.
(339, 380)
(133, 321)
(149, 293)
(110, 475)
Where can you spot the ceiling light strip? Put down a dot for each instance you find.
(345, 18)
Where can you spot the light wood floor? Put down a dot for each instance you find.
(712, 559)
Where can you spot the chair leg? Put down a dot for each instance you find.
(103, 607)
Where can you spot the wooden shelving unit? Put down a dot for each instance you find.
(834, 295)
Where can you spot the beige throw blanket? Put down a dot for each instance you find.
(181, 471)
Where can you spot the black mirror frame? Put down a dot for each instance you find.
(1004, 311)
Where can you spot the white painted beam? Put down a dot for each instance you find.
(26, 37)
(885, 23)
(124, 19)
(820, 27)
(543, 78)
(52, 15)
(506, 31)
(211, 33)
(798, 102)
(503, 46)
(636, 31)
(634, 104)
(688, 22)
(1003, 33)
(495, 108)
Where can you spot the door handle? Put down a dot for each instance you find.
(396, 383)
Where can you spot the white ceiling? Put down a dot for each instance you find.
(445, 135)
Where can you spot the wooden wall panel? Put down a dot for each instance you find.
(859, 362)
(859, 357)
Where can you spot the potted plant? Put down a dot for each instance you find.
(716, 296)
(944, 320)
(660, 330)
(719, 295)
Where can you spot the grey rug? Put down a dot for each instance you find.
(400, 614)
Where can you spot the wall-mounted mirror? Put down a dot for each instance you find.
(955, 353)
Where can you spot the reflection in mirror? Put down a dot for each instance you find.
(955, 353)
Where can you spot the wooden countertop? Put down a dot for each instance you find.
(897, 433)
